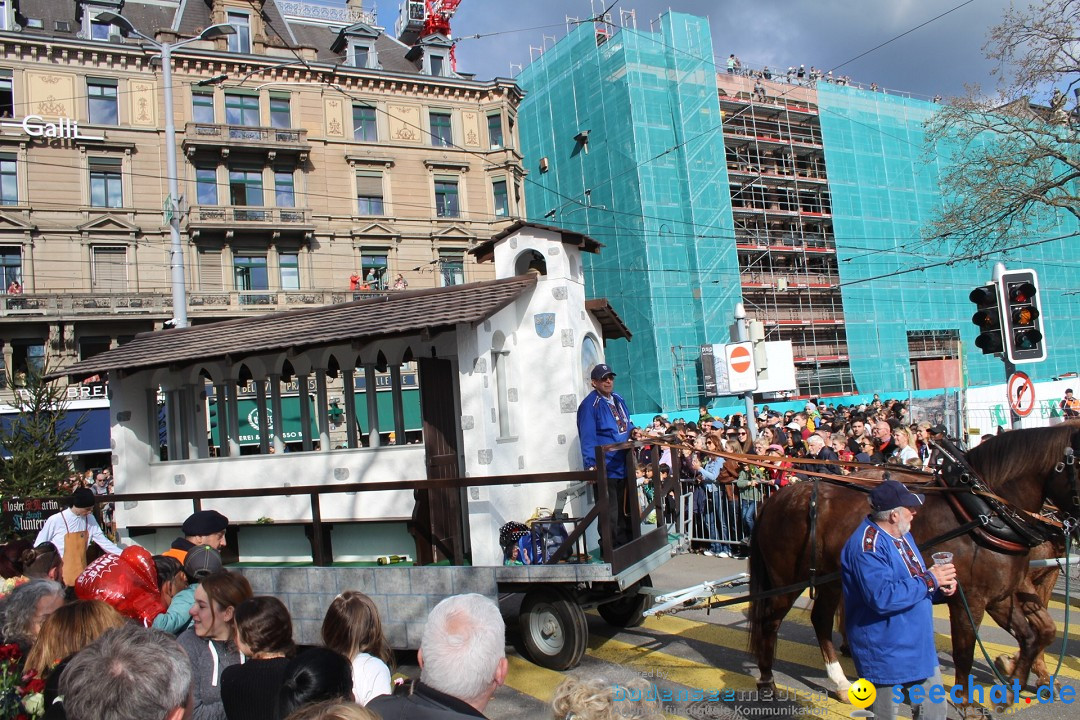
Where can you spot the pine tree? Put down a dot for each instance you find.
(34, 441)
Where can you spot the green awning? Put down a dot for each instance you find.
(290, 410)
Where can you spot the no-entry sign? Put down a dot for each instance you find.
(740, 365)
(1021, 394)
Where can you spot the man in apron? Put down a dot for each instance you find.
(72, 530)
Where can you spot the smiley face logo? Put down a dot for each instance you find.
(862, 693)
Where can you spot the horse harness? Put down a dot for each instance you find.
(1000, 526)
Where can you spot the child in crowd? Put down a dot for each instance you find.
(264, 635)
(352, 628)
(178, 585)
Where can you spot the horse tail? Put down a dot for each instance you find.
(760, 582)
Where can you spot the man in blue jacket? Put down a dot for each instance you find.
(888, 598)
(602, 419)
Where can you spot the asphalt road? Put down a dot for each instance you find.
(699, 651)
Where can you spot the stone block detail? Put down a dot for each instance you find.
(554, 250)
(494, 416)
(475, 580)
(480, 365)
(568, 338)
(484, 457)
(391, 581)
(561, 439)
(408, 608)
(362, 579)
(487, 326)
(288, 581)
(568, 403)
(559, 293)
(397, 635)
(467, 422)
(512, 395)
(521, 462)
(434, 580)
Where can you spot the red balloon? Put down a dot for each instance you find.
(122, 584)
(142, 562)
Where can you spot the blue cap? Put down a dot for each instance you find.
(601, 371)
(892, 494)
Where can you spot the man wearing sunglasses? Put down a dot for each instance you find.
(603, 419)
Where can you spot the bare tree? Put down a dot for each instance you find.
(1014, 158)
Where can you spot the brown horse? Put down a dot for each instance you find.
(1023, 466)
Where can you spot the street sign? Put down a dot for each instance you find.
(742, 377)
(1021, 394)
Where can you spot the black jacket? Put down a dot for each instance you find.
(416, 701)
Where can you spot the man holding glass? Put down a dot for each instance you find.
(888, 598)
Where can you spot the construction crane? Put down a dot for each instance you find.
(420, 18)
(438, 14)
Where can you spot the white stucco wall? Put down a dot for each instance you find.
(545, 385)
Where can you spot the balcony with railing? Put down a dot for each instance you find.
(273, 143)
(158, 305)
(281, 221)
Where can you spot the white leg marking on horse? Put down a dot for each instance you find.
(836, 674)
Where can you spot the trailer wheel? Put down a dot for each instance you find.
(626, 612)
(553, 628)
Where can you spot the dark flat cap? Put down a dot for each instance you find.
(204, 522)
(83, 498)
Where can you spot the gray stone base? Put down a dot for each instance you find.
(404, 595)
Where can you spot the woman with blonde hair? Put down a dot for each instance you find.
(905, 453)
(600, 699)
(352, 628)
(334, 710)
(69, 629)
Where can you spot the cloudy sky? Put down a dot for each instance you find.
(939, 58)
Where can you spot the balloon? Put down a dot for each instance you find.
(142, 562)
(123, 582)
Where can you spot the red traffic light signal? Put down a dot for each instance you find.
(1021, 316)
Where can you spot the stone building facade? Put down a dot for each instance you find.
(318, 159)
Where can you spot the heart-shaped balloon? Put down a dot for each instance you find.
(142, 562)
(123, 585)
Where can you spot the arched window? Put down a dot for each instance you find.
(500, 370)
(590, 358)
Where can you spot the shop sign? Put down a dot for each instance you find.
(27, 516)
(64, 128)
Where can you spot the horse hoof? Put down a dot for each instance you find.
(1005, 664)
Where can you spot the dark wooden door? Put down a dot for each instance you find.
(438, 523)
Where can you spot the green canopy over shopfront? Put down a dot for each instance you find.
(290, 409)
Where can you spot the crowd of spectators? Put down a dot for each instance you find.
(721, 496)
(86, 653)
(792, 76)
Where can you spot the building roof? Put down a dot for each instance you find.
(486, 250)
(397, 313)
(611, 325)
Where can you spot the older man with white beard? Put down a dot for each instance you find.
(888, 598)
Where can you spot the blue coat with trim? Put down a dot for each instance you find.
(888, 605)
(597, 426)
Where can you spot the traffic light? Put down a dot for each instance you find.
(987, 318)
(1021, 319)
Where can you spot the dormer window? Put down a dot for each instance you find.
(101, 30)
(437, 64)
(362, 55)
(240, 41)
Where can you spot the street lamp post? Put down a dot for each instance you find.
(176, 253)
